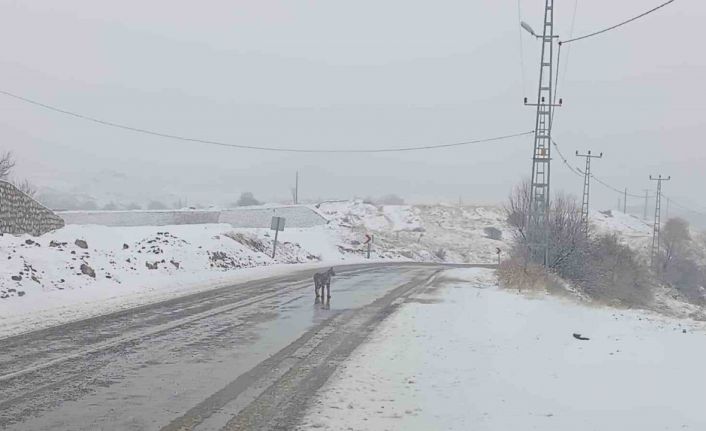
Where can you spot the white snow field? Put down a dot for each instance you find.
(467, 356)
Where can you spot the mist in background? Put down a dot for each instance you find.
(340, 75)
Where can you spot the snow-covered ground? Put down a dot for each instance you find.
(51, 279)
(633, 231)
(464, 355)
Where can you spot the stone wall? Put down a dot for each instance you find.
(246, 217)
(295, 215)
(20, 213)
(140, 218)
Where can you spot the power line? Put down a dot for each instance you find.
(620, 192)
(522, 49)
(684, 207)
(573, 18)
(617, 25)
(580, 173)
(568, 53)
(563, 159)
(556, 80)
(251, 147)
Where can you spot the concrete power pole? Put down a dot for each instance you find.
(538, 217)
(658, 219)
(587, 187)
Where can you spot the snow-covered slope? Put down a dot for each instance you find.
(633, 231)
(437, 233)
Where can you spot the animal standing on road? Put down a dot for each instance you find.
(323, 280)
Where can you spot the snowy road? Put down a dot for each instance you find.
(241, 357)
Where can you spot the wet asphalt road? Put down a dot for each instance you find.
(246, 356)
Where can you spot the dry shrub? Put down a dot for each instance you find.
(598, 266)
(517, 274)
(253, 243)
(613, 273)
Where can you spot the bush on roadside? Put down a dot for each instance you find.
(598, 266)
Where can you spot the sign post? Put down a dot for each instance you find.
(277, 225)
(369, 242)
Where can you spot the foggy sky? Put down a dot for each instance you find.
(334, 74)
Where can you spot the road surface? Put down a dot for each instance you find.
(242, 357)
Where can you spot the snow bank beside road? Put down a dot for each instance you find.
(51, 279)
(464, 358)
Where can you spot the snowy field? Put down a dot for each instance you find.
(466, 356)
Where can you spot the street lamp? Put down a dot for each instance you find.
(528, 28)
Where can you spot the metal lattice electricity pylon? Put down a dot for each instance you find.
(538, 217)
(586, 187)
(658, 219)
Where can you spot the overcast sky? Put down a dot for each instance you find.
(344, 74)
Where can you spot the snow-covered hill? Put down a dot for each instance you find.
(633, 231)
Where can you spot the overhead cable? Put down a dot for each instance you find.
(617, 25)
(252, 147)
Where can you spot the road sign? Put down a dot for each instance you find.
(277, 225)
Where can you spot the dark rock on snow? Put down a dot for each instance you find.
(85, 269)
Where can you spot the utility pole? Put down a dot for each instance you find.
(658, 219)
(647, 198)
(625, 201)
(587, 187)
(296, 189)
(538, 218)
